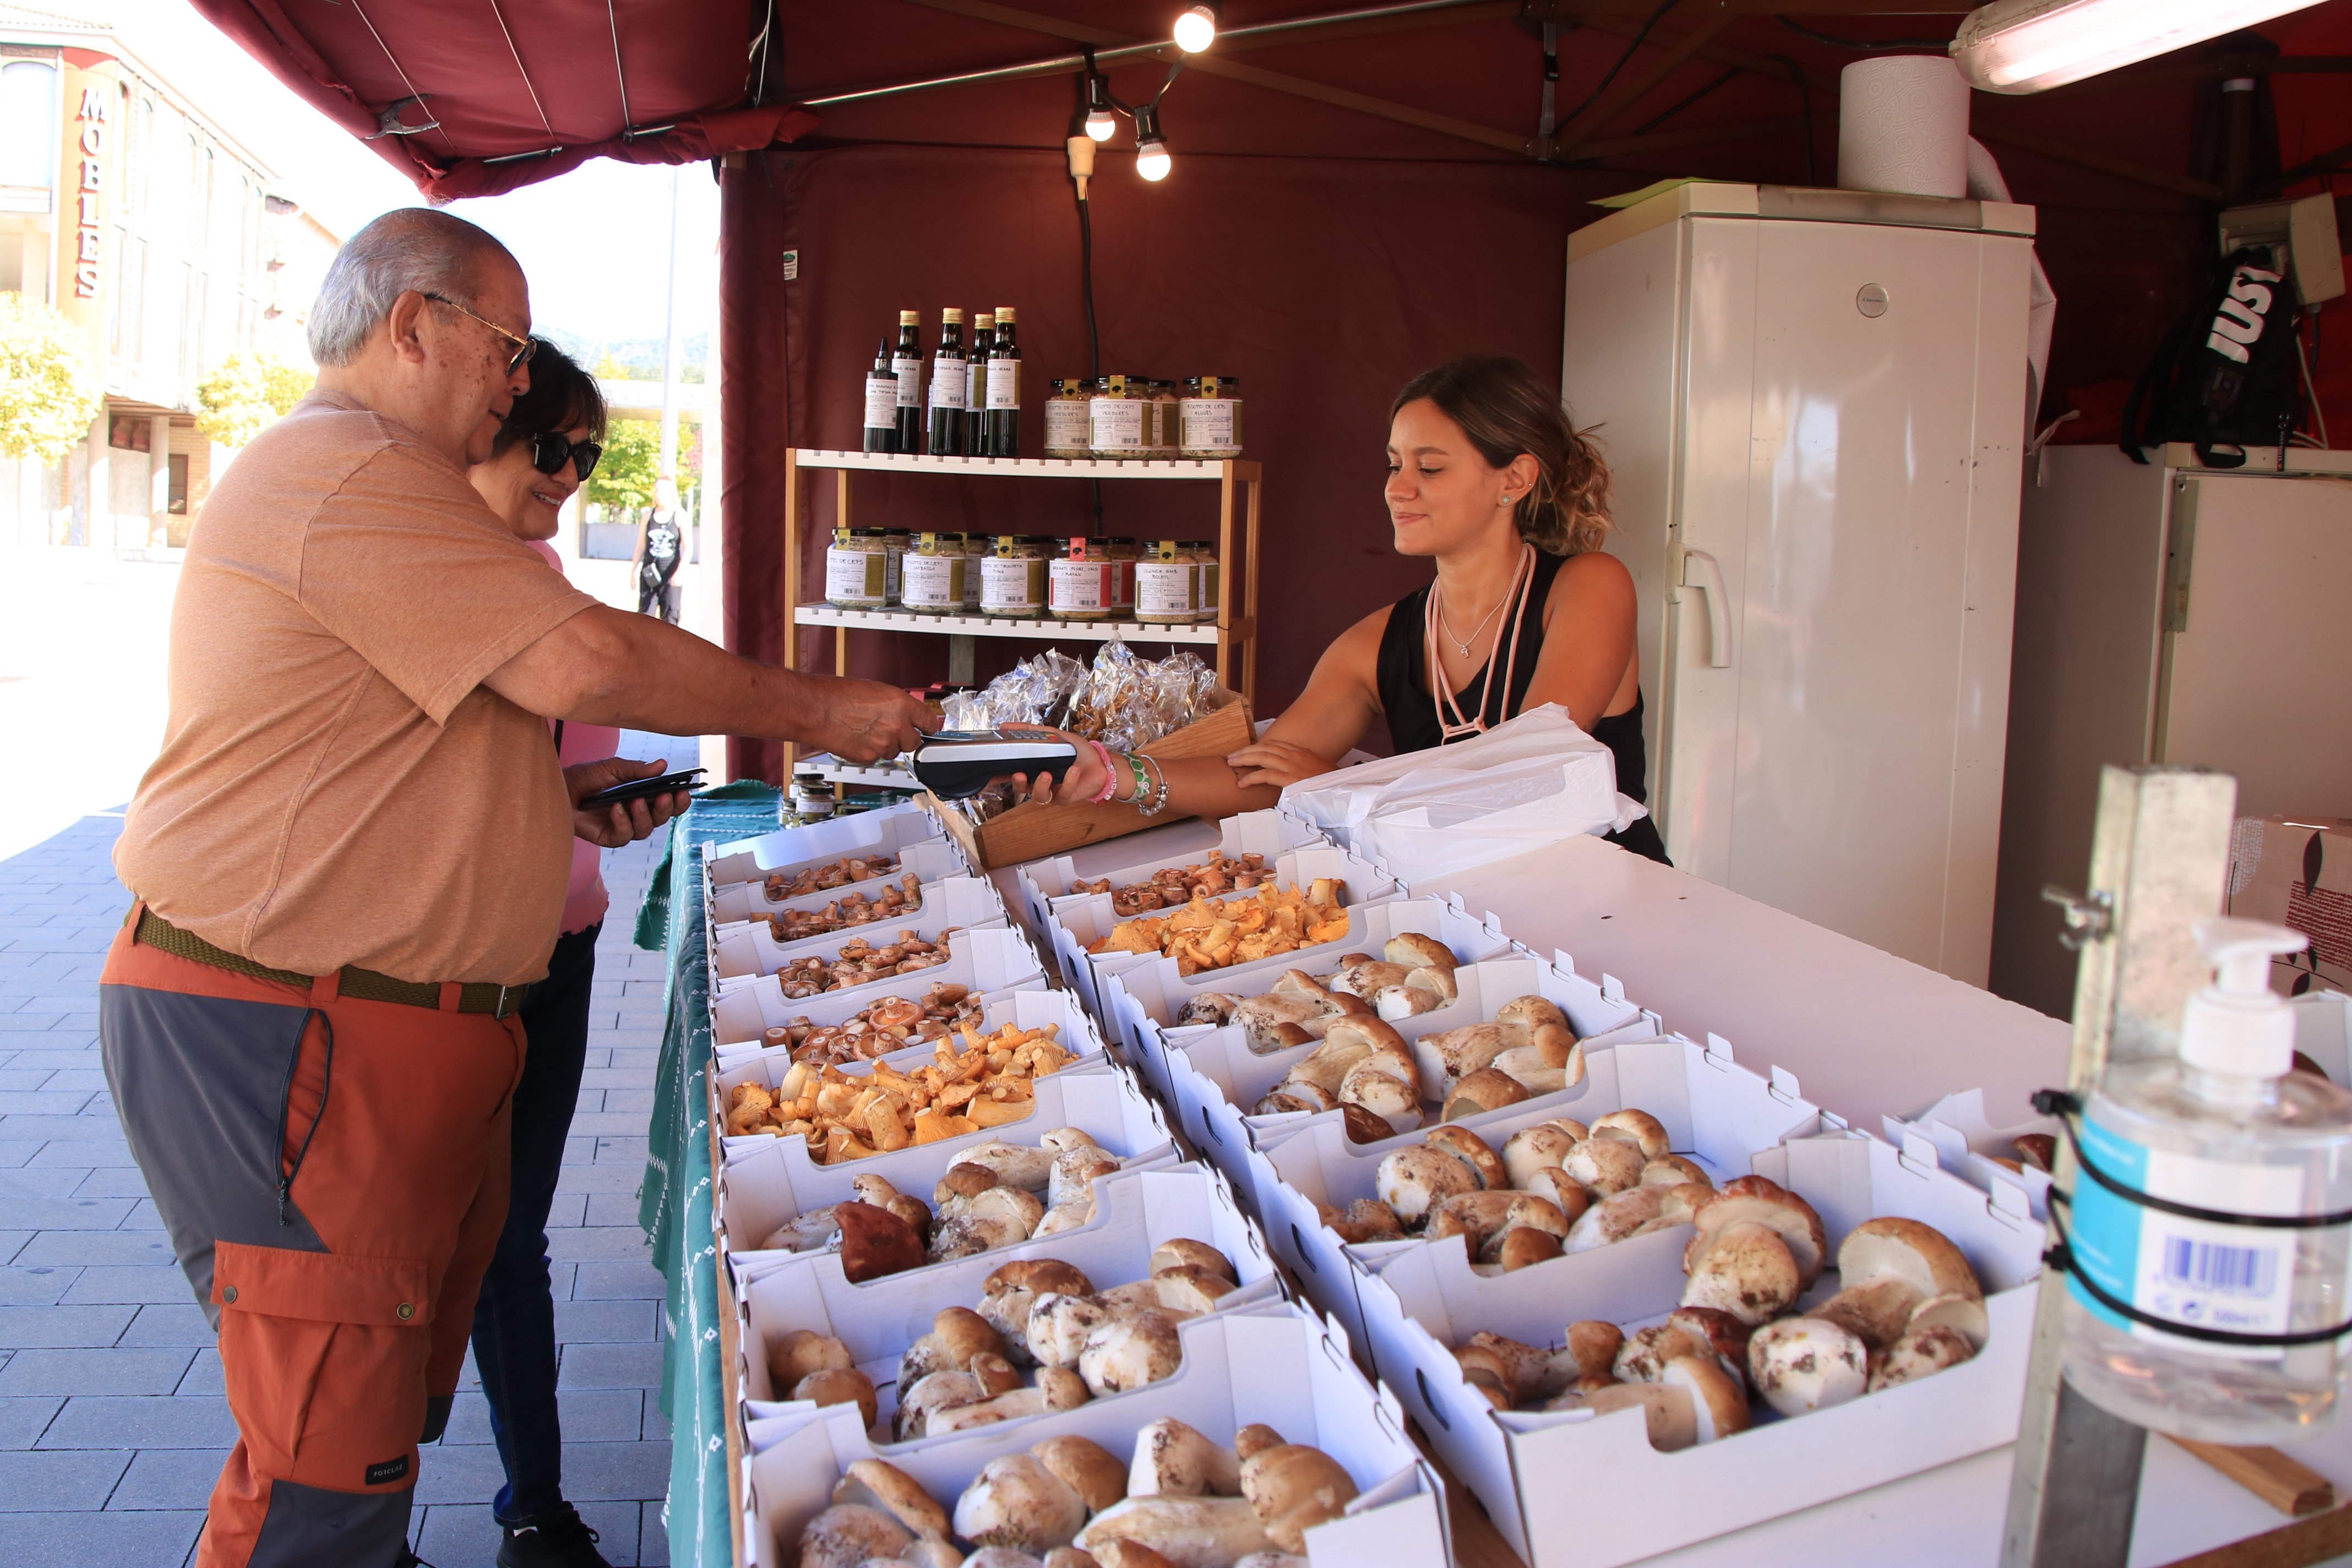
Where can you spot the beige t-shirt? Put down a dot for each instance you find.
(337, 786)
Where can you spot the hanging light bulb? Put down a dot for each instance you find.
(1151, 159)
(1196, 29)
(2026, 45)
(1101, 121)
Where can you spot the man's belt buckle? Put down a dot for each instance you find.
(509, 1001)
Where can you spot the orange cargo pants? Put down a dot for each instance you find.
(333, 1175)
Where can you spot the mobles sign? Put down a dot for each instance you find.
(91, 129)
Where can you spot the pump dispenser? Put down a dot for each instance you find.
(2182, 1316)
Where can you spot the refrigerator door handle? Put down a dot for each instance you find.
(1700, 572)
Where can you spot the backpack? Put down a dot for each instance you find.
(2224, 378)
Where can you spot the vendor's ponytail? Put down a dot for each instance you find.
(1506, 412)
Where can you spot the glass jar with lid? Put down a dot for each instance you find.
(896, 542)
(1069, 419)
(1167, 585)
(931, 579)
(1123, 552)
(1211, 411)
(1083, 583)
(1165, 419)
(1204, 561)
(977, 548)
(1118, 416)
(1012, 577)
(858, 569)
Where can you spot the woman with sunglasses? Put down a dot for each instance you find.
(546, 446)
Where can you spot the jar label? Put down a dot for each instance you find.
(2229, 1277)
(856, 577)
(910, 374)
(1165, 588)
(1083, 585)
(931, 582)
(1209, 587)
(1011, 583)
(948, 382)
(1212, 422)
(1004, 383)
(1066, 427)
(1118, 423)
(881, 403)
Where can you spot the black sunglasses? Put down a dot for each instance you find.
(550, 452)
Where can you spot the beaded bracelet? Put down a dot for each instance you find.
(1142, 785)
(1158, 802)
(1111, 775)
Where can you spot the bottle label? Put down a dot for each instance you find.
(1212, 423)
(1066, 428)
(910, 374)
(975, 391)
(948, 378)
(932, 582)
(1118, 423)
(2229, 1277)
(1165, 588)
(881, 403)
(1004, 383)
(856, 578)
(1085, 586)
(1015, 584)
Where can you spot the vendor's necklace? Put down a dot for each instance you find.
(1452, 723)
(1459, 642)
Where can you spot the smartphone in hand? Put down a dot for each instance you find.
(644, 789)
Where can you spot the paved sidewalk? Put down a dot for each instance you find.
(113, 1426)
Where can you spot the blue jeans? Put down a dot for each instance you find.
(514, 1321)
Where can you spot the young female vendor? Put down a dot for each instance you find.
(1489, 480)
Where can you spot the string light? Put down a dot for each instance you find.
(1151, 158)
(1100, 120)
(1196, 29)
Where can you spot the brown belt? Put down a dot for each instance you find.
(364, 984)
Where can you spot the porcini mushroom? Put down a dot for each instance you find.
(1800, 1364)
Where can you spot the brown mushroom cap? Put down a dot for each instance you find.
(1920, 1354)
(1521, 1247)
(1071, 1557)
(1718, 1398)
(1605, 1165)
(1130, 1353)
(1414, 1180)
(844, 1386)
(1183, 1252)
(1748, 1272)
(1173, 1460)
(1087, 1467)
(1488, 1089)
(1617, 1217)
(1673, 1169)
(1798, 1365)
(1726, 1335)
(1532, 1011)
(1190, 1290)
(964, 1333)
(1473, 1151)
(1295, 1488)
(1668, 1410)
(802, 1352)
(1537, 1148)
(1561, 1191)
(1484, 1367)
(1254, 1439)
(1016, 1501)
(1645, 1130)
(995, 1372)
(1964, 1313)
(876, 1483)
(1414, 950)
(1760, 1201)
(2039, 1150)
(1592, 1344)
(1919, 1255)
(1362, 1127)
(1127, 1555)
(848, 1534)
(1037, 1274)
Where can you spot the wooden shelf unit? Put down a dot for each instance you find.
(1234, 635)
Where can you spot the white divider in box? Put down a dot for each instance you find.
(929, 861)
(748, 948)
(1141, 999)
(1086, 917)
(1965, 1141)
(1281, 1368)
(1030, 1009)
(1714, 1111)
(995, 959)
(878, 1319)
(790, 850)
(1214, 1099)
(1418, 1305)
(763, 1186)
(1262, 833)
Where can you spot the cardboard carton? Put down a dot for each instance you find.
(2296, 871)
(930, 861)
(746, 950)
(792, 850)
(1967, 1143)
(996, 959)
(1265, 833)
(1073, 1032)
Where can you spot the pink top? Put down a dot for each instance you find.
(584, 903)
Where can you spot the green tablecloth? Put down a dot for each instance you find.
(674, 1206)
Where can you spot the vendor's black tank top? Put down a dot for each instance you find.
(1414, 726)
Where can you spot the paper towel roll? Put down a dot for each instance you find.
(1903, 125)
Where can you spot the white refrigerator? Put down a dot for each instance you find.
(1814, 404)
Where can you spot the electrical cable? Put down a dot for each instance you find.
(1861, 45)
(1570, 118)
(1805, 99)
(1657, 120)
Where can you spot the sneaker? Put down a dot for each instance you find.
(558, 1540)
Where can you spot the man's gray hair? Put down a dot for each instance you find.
(409, 247)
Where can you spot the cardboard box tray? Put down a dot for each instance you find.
(1265, 833)
(748, 948)
(931, 861)
(1074, 1031)
(997, 959)
(790, 850)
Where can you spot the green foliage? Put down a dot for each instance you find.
(50, 385)
(245, 394)
(632, 462)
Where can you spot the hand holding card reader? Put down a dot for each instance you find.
(956, 764)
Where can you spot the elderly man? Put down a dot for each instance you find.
(349, 863)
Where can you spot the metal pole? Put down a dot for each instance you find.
(2158, 859)
(668, 468)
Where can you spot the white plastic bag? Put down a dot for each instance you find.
(1533, 780)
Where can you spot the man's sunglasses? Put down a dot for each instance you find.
(524, 347)
(549, 453)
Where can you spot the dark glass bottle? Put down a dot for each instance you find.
(975, 402)
(948, 386)
(882, 402)
(1002, 425)
(906, 364)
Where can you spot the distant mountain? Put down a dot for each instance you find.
(640, 357)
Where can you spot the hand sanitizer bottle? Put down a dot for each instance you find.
(2227, 1129)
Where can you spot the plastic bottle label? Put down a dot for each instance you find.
(1118, 423)
(931, 582)
(948, 382)
(2229, 1277)
(1004, 383)
(1212, 422)
(1066, 428)
(1083, 585)
(910, 374)
(1165, 588)
(855, 577)
(1011, 583)
(881, 403)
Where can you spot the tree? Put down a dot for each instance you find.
(247, 393)
(51, 386)
(632, 462)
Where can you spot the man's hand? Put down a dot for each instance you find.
(865, 721)
(615, 825)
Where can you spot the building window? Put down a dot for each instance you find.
(129, 433)
(28, 135)
(178, 504)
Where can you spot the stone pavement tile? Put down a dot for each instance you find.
(462, 1472)
(462, 1535)
(579, 1150)
(617, 1179)
(99, 1128)
(122, 1249)
(591, 1366)
(144, 1216)
(75, 1372)
(29, 1023)
(600, 1078)
(43, 1286)
(132, 1285)
(162, 1421)
(157, 1539)
(611, 1150)
(113, 1182)
(13, 1242)
(611, 1208)
(608, 1322)
(92, 1078)
(180, 1323)
(169, 1478)
(568, 1211)
(653, 1537)
(15, 1080)
(46, 1183)
(616, 1470)
(589, 1416)
(55, 1215)
(639, 1103)
(657, 1424)
(84, 1153)
(54, 1057)
(581, 1244)
(41, 1328)
(22, 1421)
(597, 1282)
(15, 1152)
(560, 1279)
(35, 1482)
(204, 1375)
